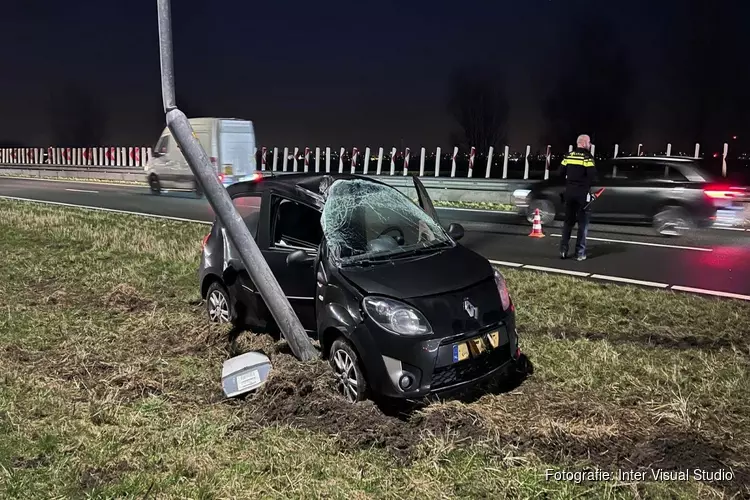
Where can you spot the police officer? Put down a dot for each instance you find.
(579, 171)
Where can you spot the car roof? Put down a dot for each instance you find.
(304, 186)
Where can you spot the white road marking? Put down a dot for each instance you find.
(617, 279)
(715, 293)
(102, 209)
(643, 243)
(81, 190)
(506, 264)
(628, 281)
(556, 270)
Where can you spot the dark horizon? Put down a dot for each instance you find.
(345, 75)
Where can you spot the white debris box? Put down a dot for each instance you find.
(244, 373)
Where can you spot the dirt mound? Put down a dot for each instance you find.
(125, 298)
(303, 395)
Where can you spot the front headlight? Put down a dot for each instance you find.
(396, 316)
(502, 290)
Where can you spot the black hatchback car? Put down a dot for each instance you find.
(672, 194)
(400, 309)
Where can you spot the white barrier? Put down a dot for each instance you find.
(139, 156)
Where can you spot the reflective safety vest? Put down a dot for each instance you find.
(579, 171)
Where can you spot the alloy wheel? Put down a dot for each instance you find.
(218, 307)
(346, 375)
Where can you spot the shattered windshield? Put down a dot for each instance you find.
(364, 220)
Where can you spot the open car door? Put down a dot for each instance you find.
(424, 199)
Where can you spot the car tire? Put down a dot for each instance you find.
(350, 379)
(154, 184)
(219, 304)
(672, 221)
(546, 210)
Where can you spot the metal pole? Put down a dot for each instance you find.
(724, 160)
(251, 256)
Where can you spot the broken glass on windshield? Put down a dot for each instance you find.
(364, 219)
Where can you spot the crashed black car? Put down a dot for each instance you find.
(399, 308)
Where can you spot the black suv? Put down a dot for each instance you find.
(671, 193)
(399, 308)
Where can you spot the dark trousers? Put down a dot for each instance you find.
(574, 212)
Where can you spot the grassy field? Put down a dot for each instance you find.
(109, 387)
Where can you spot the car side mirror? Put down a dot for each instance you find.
(298, 257)
(456, 231)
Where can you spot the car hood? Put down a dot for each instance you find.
(431, 274)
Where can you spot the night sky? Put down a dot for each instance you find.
(361, 73)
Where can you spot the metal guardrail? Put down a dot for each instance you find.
(476, 190)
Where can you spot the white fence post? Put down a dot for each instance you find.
(317, 159)
(296, 154)
(393, 161)
(422, 161)
(367, 160)
(407, 155)
(490, 154)
(617, 150)
(526, 162)
(506, 152)
(275, 165)
(724, 160)
(263, 158)
(639, 149)
(669, 149)
(380, 161)
(437, 163)
(547, 161)
(341, 160)
(697, 150)
(286, 159)
(472, 157)
(355, 156)
(593, 150)
(570, 148)
(453, 161)
(307, 159)
(328, 160)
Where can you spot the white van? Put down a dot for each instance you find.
(229, 143)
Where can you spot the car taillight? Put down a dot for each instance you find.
(257, 176)
(721, 192)
(205, 241)
(221, 177)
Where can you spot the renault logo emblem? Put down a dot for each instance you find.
(470, 309)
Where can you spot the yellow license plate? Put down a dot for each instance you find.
(460, 352)
(477, 346)
(228, 169)
(494, 339)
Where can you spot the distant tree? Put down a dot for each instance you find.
(77, 117)
(592, 93)
(478, 103)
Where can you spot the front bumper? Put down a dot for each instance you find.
(431, 365)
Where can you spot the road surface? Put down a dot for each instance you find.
(708, 260)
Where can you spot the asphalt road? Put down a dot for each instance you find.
(708, 260)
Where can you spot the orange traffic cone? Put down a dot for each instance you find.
(536, 228)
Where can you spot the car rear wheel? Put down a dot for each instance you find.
(350, 380)
(673, 221)
(546, 210)
(154, 184)
(218, 304)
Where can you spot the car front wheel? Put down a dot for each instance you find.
(350, 381)
(218, 304)
(154, 184)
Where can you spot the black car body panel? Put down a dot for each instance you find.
(453, 287)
